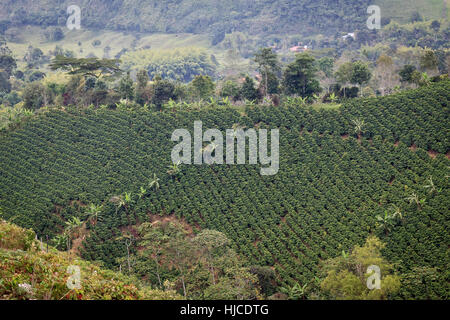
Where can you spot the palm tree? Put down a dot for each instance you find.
(60, 241)
(359, 126)
(71, 227)
(430, 185)
(414, 198)
(397, 213)
(154, 183)
(93, 212)
(118, 201)
(385, 221)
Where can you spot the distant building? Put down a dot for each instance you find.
(299, 48)
(350, 34)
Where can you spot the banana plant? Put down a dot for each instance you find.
(315, 97)
(171, 105)
(72, 227)
(118, 201)
(174, 169)
(127, 197)
(385, 221)
(250, 103)
(296, 292)
(359, 126)
(414, 198)
(93, 213)
(397, 214)
(301, 100)
(142, 192)
(332, 97)
(154, 183)
(431, 186)
(226, 102)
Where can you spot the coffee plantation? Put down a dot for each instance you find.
(339, 171)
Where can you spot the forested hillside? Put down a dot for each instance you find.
(376, 166)
(214, 16)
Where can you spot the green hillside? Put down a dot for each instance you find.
(402, 10)
(214, 16)
(217, 17)
(332, 184)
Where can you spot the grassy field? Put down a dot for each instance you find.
(81, 41)
(401, 10)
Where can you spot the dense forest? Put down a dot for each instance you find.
(189, 16)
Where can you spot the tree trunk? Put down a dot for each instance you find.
(128, 256)
(157, 272)
(266, 91)
(184, 286)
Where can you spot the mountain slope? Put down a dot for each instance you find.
(214, 16)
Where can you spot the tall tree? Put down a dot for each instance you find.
(7, 64)
(269, 67)
(406, 73)
(361, 74)
(98, 68)
(326, 76)
(211, 243)
(300, 76)
(203, 86)
(164, 90)
(386, 74)
(126, 87)
(248, 90)
(429, 62)
(142, 95)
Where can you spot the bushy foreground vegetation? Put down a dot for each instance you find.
(374, 166)
(29, 270)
